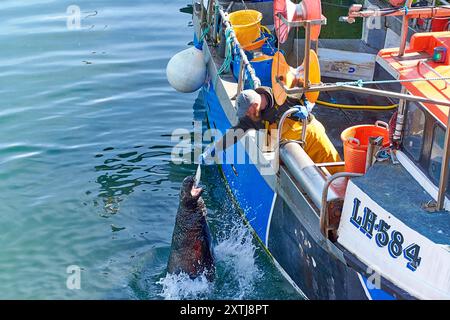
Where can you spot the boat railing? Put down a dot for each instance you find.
(283, 118)
(325, 227)
(357, 88)
(404, 32)
(245, 64)
(402, 96)
(324, 217)
(306, 24)
(431, 69)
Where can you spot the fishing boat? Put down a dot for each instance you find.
(375, 225)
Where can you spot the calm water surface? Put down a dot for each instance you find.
(86, 177)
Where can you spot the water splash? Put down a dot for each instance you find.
(235, 249)
(180, 286)
(237, 272)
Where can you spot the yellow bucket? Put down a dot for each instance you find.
(246, 25)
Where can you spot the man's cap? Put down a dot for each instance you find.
(244, 100)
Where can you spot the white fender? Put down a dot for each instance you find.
(186, 71)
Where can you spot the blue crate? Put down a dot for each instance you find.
(263, 69)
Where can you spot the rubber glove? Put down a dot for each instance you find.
(301, 114)
(309, 105)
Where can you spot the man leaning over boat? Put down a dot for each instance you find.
(257, 108)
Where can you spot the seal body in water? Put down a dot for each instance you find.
(191, 250)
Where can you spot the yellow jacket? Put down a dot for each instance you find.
(318, 146)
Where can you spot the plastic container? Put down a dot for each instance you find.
(246, 25)
(269, 47)
(262, 66)
(356, 142)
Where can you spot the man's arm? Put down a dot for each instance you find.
(233, 135)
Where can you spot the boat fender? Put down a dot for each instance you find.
(186, 71)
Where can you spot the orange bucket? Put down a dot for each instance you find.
(356, 142)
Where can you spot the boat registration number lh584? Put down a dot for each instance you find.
(381, 232)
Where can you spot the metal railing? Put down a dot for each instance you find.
(324, 218)
(283, 119)
(307, 24)
(376, 92)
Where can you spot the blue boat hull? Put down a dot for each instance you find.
(249, 188)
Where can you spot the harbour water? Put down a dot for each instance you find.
(86, 179)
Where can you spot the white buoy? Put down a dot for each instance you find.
(186, 71)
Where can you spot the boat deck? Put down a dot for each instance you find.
(417, 63)
(407, 204)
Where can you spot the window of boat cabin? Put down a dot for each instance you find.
(437, 151)
(414, 131)
(423, 141)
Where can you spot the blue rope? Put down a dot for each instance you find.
(199, 43)
(225, 67)
(205, 32)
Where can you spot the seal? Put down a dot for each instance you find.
(191, 250)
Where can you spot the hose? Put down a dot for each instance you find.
(347, 106)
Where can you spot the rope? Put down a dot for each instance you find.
(225, 67)
(199, 43)
(361, 107)
(361, 83)
(205, 32)
(245, 6)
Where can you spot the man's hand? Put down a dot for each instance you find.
(207, 157)
(301, 114)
